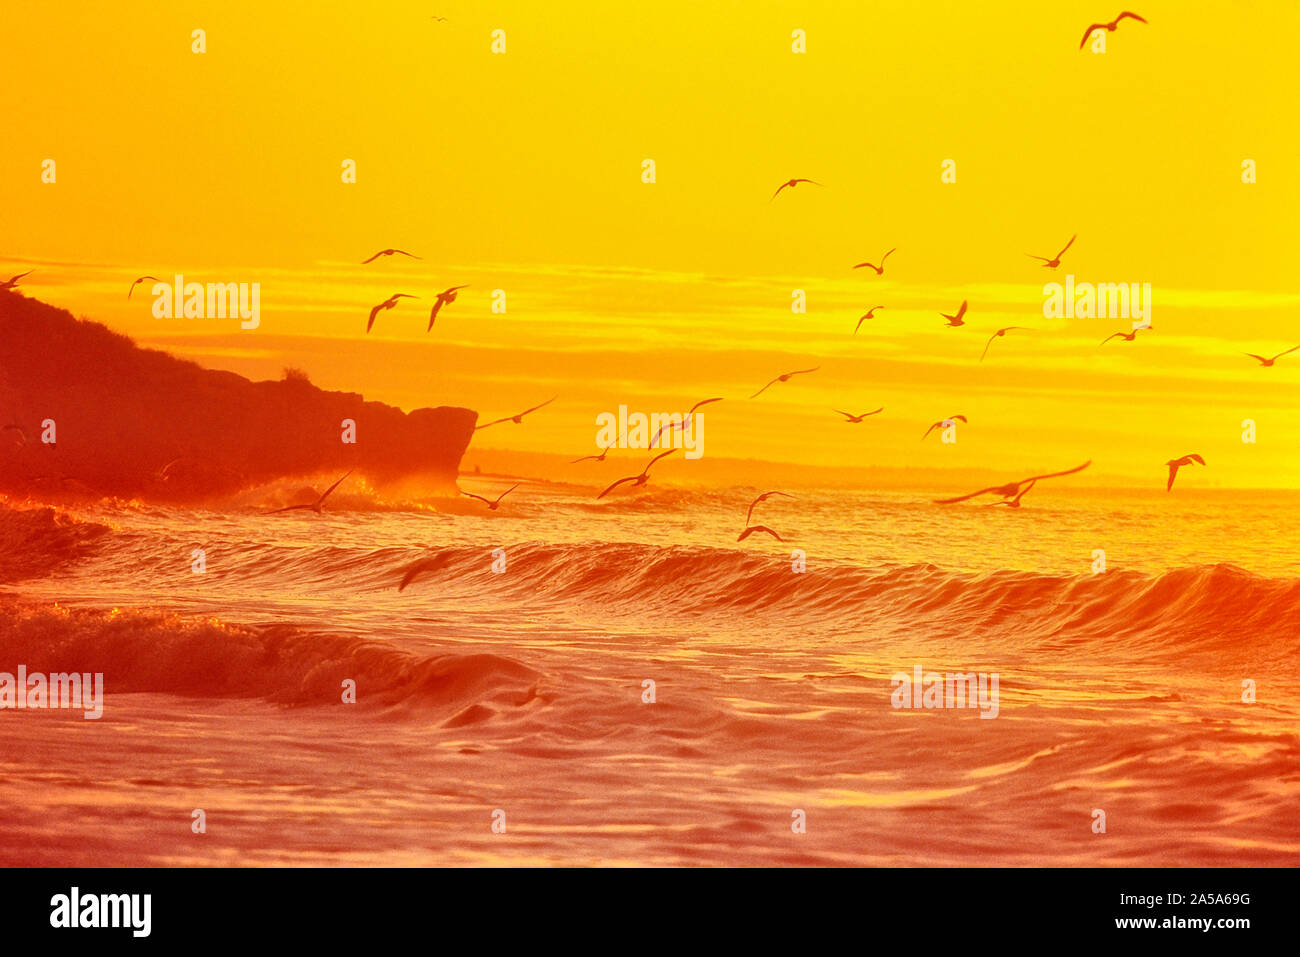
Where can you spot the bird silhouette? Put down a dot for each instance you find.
(594, 458)
(857, 418)
(1126, 336)
(1111, 27)
(388, 303)
(957, 319)
(446, 297)
(792, 183)
(763, 498)
(1012, 489)
(517, 419)
(870, 314)
(637, 480)
(783, 378)
(880, 270)
(681, 423)
(1055, 260)
(388, 252)
(1176, 464)
(12, 283)
(1000, 332)
(943, 424)
(1015, 502)
(754, 529)
(138, 281)
(316, 506)
(1269, 362)
(492, 505)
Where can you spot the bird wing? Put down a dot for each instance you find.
(962, 311)
(960, 417)
(704, 402)
(485, 501)
(372, 258)
(1281, 354)
(859, 325)
(405, 253)
(931, 429)
(845, 414)
(583, 459)
(536, 407)
(778, 191)
(803, 371)
(433, 314)
(860, 265)
(1067, 245)
(886, 256)
(336, 484)
(656, 459)
(1251, 354)
(987, 344)
(1088, 32)
(1077, 468)
(505, 493)
(1131, 16)
(1173, 470)
(453, 289)
(1112, 336)
(881, 409)
(962, 498)
(493, 422)
(1043, 258)
(374, 312)
(288, 508)
(765, 388)
(763, 528)
(1196, 458)
(630, 478)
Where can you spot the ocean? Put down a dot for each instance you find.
(631, 685)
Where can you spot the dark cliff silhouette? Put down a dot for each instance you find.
(138, 422)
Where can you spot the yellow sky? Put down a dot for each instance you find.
(522, 171)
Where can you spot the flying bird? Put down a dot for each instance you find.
(13, 282)
(138, 281)
(792, 183)
(446, 297)
(1012, 489)
(1000, 332)
(957, 319)
(783, 378)
(870, 314)
(753, 529)
(943, 424)
(681, 424)
(1015, 502)
(880, 270)
(1055, 260)
(388, 303)
(637, 479)
(492, 506)
(388, 252)
(1176, 464)
(1127, 336)
(517, 419)
(316, 505)
(1109, 26)
(762, 498)
(857, 418)
(1269, 362)
(594, 458)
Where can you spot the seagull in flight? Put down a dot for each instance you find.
(13, 283)
(388, 252)
(762, 498)
(317, 505)
(1055, 260)
(446, 297)
(594, 458)
(754, 529)
(1000, 332)
(138, 281)
(880, 270)
(1269, 362)
(388, 303)
(1109, 26)
(1129, 336)
(1176, 464)
(783, 378)
(1015, 502)
(681, 424)
(637, 479)
(943, 424)
(792, 183)
(1012, 489)
(870, 314)
(517, 419)
(957, 319)
(857, 418)
(492, 506)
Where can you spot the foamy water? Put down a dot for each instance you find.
(523, 691)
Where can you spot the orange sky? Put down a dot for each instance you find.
(522, 171)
